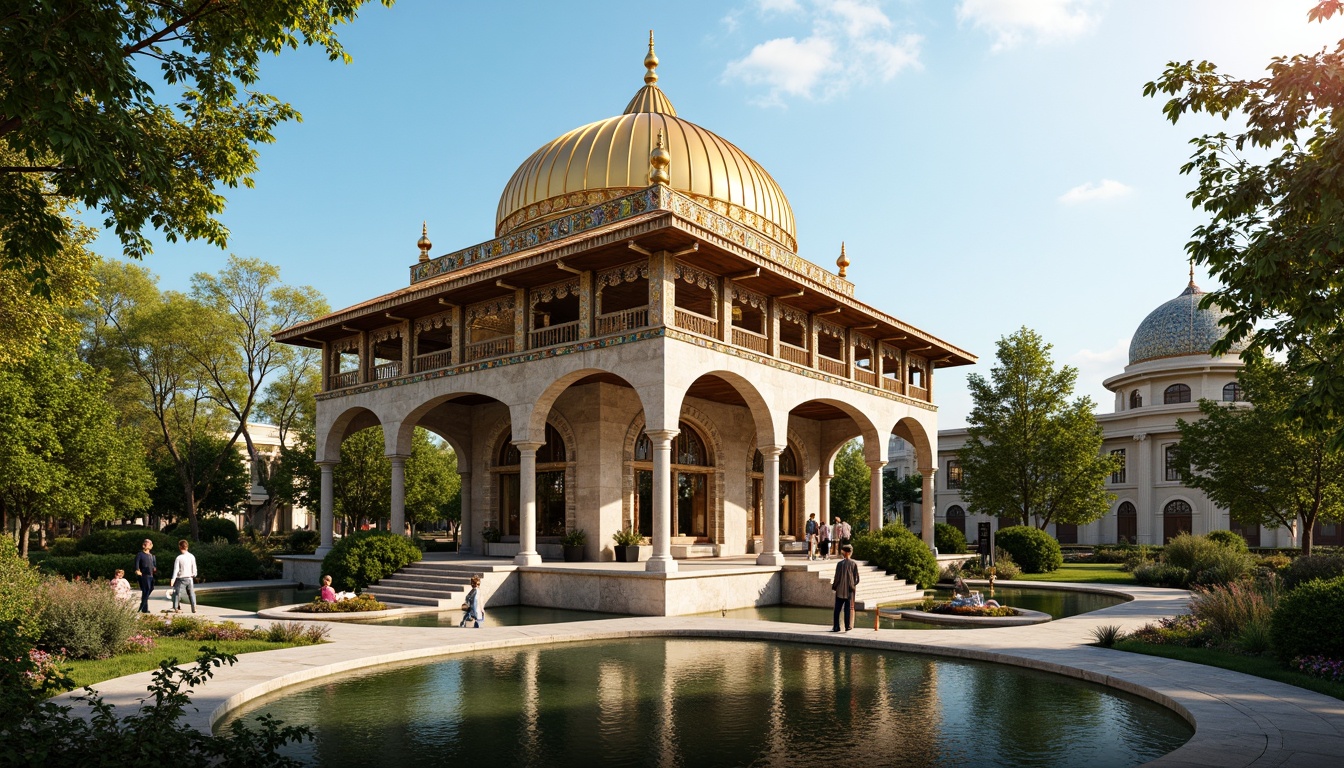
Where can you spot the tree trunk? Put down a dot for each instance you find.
(1307, 525)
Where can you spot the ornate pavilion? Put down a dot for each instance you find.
(640, 346)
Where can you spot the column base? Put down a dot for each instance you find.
(322, 551)
(655, 565)
(527, 558)
(770, 558)
(464, 550)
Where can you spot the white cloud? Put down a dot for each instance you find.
(850, 42)
(1012, 22)
(1095, 366)
(1088, 192)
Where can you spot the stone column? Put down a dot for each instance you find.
(527, 503)
(398, 524)
(327, 522)
(725, 310)
(824, 503)
(772, 326)
(662, 561)
(875, 494)
(465, 531)
(927, 505)
(770, 506)
(1147, 516)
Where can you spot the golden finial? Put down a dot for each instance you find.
(424, 243)
(1192, 273)
(659, 159)
(843, 261)
(651, 63)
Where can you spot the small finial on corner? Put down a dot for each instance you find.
(424, 243)
(659, 159)
(651, 63)
(1192, 273)
(843, 261)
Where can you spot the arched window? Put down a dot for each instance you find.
(1232, 393)
(1135, 399)
(1176, 393)
(956, 517)
(1177, 518)
(1126, 524)
(551, 492)
(790, 500)
(692, 468)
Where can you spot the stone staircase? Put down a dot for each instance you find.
(875, 586)
(442, 585)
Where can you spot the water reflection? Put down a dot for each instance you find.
(681, 702)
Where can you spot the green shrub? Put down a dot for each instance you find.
(83, 618)
(899, 552)
(296, 632)
(212, 529)
(1004, 567)
(1161, 575)
(1033, 549)
(1304, 569)
(115, 541)
(303, 542)
(63, 547)
(1310, 620)
(357, 604)
(94, 567)
(1204, 560)
(360, 559)
(1186, 551)
(1229, 609)
(1228, 539)
(19, 583)
(221, 562)
(949, 539)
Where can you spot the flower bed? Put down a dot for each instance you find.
(1321, 666)
(947, 608)
(358, 604)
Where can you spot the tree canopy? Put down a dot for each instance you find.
(850, 486)
(81, 115)
(1262, 464)
(1031, 454)
(1274, 194)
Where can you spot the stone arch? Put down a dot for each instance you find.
(417, 414)
(544, 403)
(874, 443)
(762, 416)
(350, 421)
(499, 430)
(926, 446)
(1169, 506)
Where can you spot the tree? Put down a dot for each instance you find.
(433, 486)
(225, 494)
(363, 480)
(1262, 464)
(61, 453)
(897, 493)
(850, 485)
(1275, 235)
(84, 122)
(1030, 453)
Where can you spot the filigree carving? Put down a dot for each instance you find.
(553, 291)
(434, 322)
(490, 309)
(697, 277)
(385, 334)
(625, 273)
(347, 344)
(792, 314)
(830, 329)
(750, 298)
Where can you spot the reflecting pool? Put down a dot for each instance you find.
(253, 600)
(692, 702)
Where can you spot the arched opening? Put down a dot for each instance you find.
(553, 314)
(622, 298)
(1232, 393)
(1135, 399)
(956, 517)
(552, 489)
(1176, 393)
(1066, 533)
(692, 484)
(1177, 518)
(790, 495)
(1126, 524)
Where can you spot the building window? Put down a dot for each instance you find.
(1232, 393)
(956, 517)
(1177, 518)
(1135, 399)
(1173, 471)
(1126, 524)
(1118, 476)
(953, 475)
(1176, 393)
(551, 500)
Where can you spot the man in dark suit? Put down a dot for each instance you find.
(845, 584)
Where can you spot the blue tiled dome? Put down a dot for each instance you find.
(1178, 327)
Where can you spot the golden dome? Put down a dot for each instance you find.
(610, 158)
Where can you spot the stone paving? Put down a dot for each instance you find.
(1239, 720)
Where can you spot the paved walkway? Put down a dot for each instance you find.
(1239, 720)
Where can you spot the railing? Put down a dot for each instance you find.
(431, 360)
(751, 340)
(563, 333)
(344, 379)
(623, 320)
(893, 385)
(865, 376)
(501, 345)
(697, 323)
(795, 355)
(833, 367)
(387, 370)
(919, 393)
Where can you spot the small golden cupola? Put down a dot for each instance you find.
(613, 157)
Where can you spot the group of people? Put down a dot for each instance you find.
(823, 539)
(147, 567)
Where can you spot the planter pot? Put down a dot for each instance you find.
(628, 553)
(574, 554)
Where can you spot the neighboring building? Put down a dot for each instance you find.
(266, 438)
(902, 462)
(1169, 372)
(640, 347)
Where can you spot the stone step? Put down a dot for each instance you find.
(436, 566)
(447, 593)
(413, 579)
(390, 596)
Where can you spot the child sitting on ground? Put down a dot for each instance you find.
(120, 586)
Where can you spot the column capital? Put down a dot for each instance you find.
(662, 434)
(876, 463)
(527, 446)
(928, 471)
(397, 458)
(771, 450)
(327, 465)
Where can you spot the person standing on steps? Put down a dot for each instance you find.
(824, 533)
(145, 568)
(842, 532)
(184, 577)
(845, 584)
(811, 530)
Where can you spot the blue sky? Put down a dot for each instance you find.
(989, 163)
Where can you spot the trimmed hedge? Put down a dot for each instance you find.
(115, 541)
(1304, 569)
(1310, 621)
(899, 552)
(220, 562)
(1233, 541)
(1034, 550)
(92, 567)
(302, 542)
(360, 559)
(212, 530)
(949, 539)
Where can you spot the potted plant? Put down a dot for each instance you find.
(573, 542)
(627, 545)
(490, 535)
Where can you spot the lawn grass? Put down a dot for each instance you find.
(88, 672)
(1084, 573)
(1257, 666)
